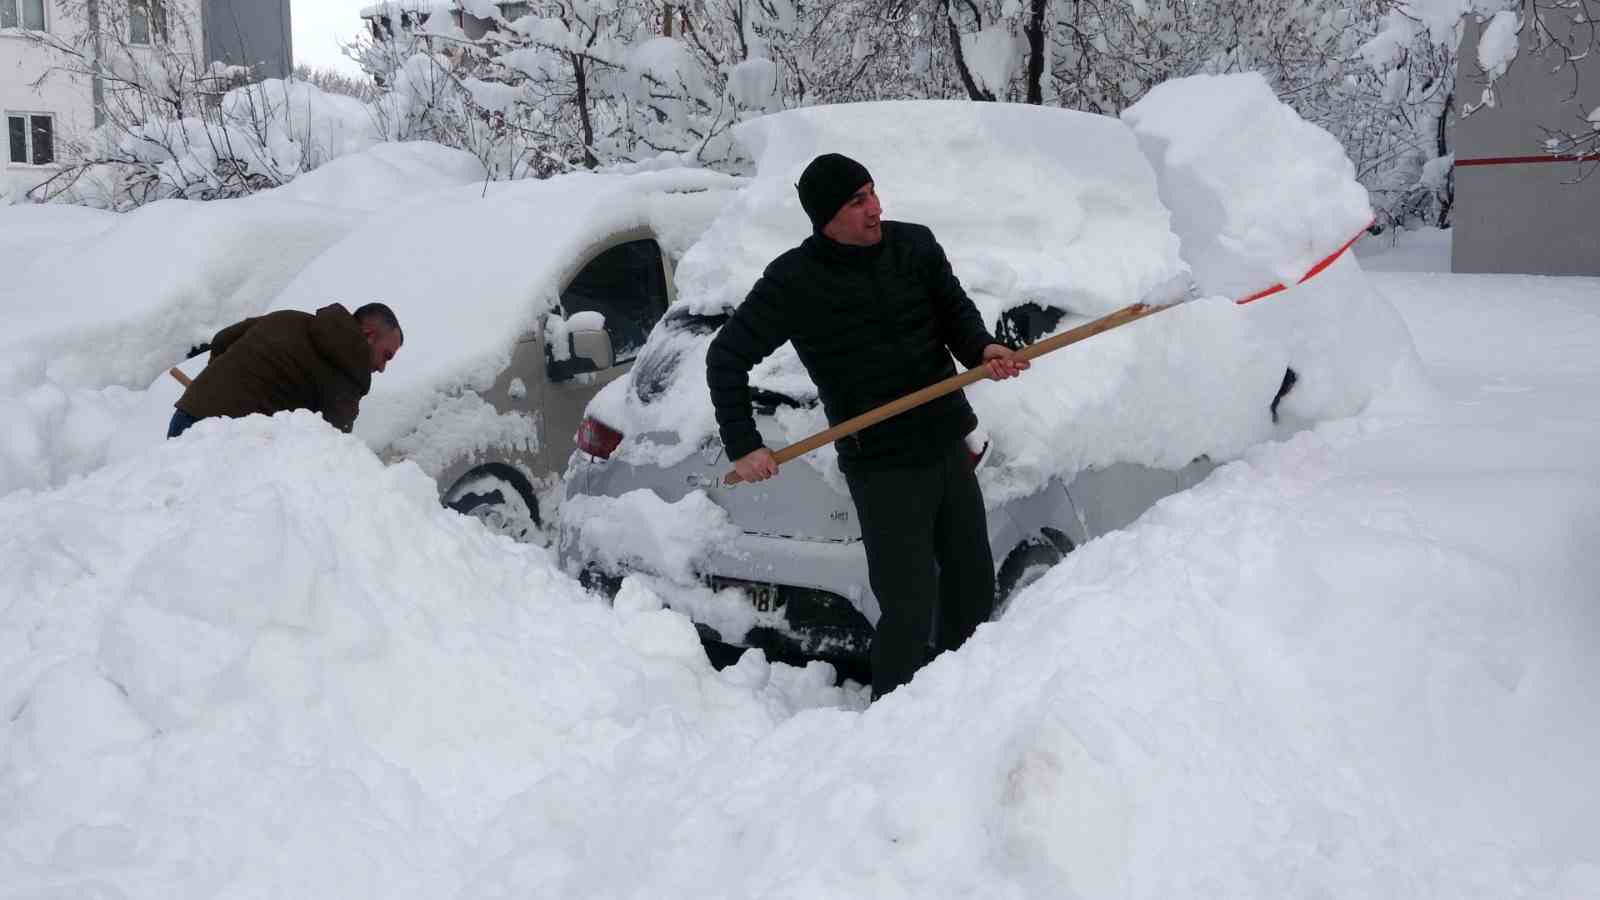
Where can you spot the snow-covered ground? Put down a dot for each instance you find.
(1357, 663)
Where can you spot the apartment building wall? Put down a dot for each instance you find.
(29, 88)
(1516, 208)
(239, 32)
(252, 33)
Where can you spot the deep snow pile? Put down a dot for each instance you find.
(255, 661)
(1258, 195)
(258, 660)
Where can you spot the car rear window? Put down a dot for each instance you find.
(658, 362)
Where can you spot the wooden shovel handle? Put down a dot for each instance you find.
(954, 383)
(177, 373)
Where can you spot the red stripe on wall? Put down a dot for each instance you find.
(1524, 160)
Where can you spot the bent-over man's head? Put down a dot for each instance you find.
(839, 197)
(382, 331)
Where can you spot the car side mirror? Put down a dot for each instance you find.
(593, 345)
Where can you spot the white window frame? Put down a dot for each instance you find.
(154, 11)
(27, 131)
(16, 7)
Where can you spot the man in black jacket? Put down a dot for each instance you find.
(875, 313)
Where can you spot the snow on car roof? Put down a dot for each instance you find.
(1030, 204)
(470, 272)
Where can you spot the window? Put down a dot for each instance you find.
(514, 11)
(27, 14)
(32, 138)
(628, 286)
(147, 21)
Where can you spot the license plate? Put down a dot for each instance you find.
(764, 597)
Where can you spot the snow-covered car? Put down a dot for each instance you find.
(797, 554)
(519, 302)
(1050, 218)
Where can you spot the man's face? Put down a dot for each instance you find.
(385, 343)
(857, 222)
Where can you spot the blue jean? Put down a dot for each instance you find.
(180, 423)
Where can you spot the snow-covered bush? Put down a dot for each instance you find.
(174, 126)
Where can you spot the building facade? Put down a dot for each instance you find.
(252, 33)
(45, 106)
(1517, 207)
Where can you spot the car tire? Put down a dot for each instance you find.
(1027, 562)
(500, 497)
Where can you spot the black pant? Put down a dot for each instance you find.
(927, 542)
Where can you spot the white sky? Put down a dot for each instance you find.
(319, 26)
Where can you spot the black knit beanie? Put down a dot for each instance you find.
(826, 184)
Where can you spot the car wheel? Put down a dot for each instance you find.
(500, 497)
(1027, 562)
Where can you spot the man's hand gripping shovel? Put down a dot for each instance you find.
(954, 383)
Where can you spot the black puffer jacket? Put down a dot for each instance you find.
(871, 324)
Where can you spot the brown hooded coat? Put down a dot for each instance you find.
(285, 360)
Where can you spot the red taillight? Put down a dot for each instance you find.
(596, 438)
(977, 455)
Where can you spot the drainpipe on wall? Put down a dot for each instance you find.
(99, 85)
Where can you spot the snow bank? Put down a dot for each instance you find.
(1355, 664)
(1258, 195)
(255, 660)
(28, 228)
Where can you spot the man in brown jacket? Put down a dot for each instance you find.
(293, 360)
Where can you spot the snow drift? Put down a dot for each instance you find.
(257, 661)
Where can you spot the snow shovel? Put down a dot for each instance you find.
(1107, 322)
(955, 383)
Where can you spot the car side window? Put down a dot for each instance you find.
(628, 286)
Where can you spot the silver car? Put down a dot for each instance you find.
(615, 294)
(798, 554)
